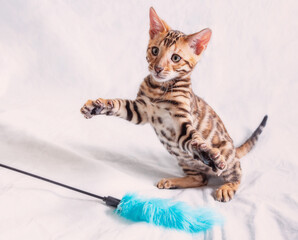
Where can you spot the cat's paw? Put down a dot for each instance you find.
(217, 158)
(212, 153)
(87, 109)
(166, 184)
(225, 193)
(99, 106)
(198, 145)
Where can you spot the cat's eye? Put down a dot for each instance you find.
(176, 58)
(155, 51)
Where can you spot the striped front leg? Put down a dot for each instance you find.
(190, 140)
(210, 156)
(133, 111)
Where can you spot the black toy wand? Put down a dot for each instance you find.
(110, 201)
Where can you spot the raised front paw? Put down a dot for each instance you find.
(217, 158)
(99, 106)
(198, 144)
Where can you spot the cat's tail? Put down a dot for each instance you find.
(248, 145)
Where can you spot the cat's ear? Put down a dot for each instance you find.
(199, 41)
(156, 24)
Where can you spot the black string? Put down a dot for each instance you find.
(53, 182)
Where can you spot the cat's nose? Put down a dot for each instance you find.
(158, 69)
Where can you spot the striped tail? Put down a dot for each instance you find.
(248, 145)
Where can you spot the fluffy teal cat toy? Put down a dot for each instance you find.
(157, 211)
(167, 213)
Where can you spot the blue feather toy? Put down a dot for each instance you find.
(157, 211)
(167, 213)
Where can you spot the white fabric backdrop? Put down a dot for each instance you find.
(57, 54)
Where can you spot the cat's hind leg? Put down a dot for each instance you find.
(232, 177)
(192, 181)
(226, 192)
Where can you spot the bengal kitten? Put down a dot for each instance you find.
(185, 124)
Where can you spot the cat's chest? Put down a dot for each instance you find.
(165, 126)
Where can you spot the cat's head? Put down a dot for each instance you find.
(172, 54)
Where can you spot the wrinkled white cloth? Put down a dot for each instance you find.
(57, 54)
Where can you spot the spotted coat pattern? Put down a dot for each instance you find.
(185, 124)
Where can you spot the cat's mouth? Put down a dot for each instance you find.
(159, 78)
